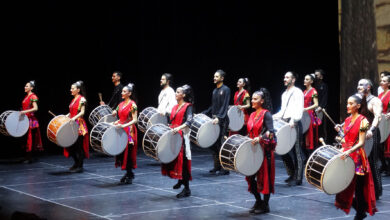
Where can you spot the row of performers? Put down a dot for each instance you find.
(259, 127)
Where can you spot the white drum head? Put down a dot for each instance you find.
(208, 134)
(67, 134)
(157, 118)
(114, 141)
(107, 119)
(384, 128)
(236, 118)
(17, 125)
(286, 137)
(249, 158)
(338, 175)
(305, 120)
(368, 146)
(168, 147)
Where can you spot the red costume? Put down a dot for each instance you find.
(125, 116)
(311, 137)
(385, 98)
(266, 175)
(344, 199)
(74, 109)
(240, 99)
(174, 169)
(34, 140)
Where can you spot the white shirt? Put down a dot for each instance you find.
(380, 90)
(294, 109)
(166, 100)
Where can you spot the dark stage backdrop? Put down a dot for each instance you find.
(57, 43)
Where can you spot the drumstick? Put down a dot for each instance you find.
(100, 96)
(323, 110)
(52, 113)
(322, 141)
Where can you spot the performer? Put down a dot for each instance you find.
(291, 112)
(80, 149)
(374, 105)
(242, 100)
(260, 129)
(385, 98)
(29, 106)
(166, 98)
(127, 114)
(354, 129)
(116, 96)
(322, 89)
(218, 112)
(181, 118)
(382, 74)
(311, 103)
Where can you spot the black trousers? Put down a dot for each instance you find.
(185, 174)
(359, 204)
(223, 127)
(76, 151)
(129, 165)
(294, 160)
(373, 160)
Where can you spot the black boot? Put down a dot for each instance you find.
(255, 206)
(223, 172)
(178, 184)
(217, 165)
(288, 179)
(185, 193)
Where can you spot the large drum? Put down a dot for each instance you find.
(327, 171)
(203, 132)
(106, 138)
(12, 123)
(384, 128)
(62, 131)
(148, 117)
(238, 154)
(285, 135)
(102, 113)
(305, 120)
(236, 118)
(161, 144)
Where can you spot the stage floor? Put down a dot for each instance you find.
(46, 189)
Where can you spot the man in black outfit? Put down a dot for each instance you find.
(218, 112)
(322, 90)
(116, 96)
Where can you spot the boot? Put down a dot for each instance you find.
(178, 184)
(255, 206)
(185, 193)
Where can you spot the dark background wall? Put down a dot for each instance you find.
(58, 43)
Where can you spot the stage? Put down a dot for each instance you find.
(46, 189)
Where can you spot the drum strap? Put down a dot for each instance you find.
(177, 111)
(288, 101)
(257, 120)
(239, 97)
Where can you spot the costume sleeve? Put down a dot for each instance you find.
(134, 108)
(225, 104)
(34, 98)
(364, 125)
(188, 116)
(246, 97)
(268, 122)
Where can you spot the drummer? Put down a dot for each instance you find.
(385, 98)
(242, 101)
(29, 106)
(166, 98)
(291, 112)
(80, 149)
(116, 96)
(354, 129)
(322, 89)
(181, 118)
(260, 128)
(218, 111)
(310, 103)
(374, 105)
(127, 113)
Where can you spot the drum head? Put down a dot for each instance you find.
(236, 118)
(368, 146)
(168, 147)
(305, 120)
(67, 134)
(157, 118)
(338, 175)
(384, 128)
(17, 125)
(248, 158)
(107, 119)
(208, 134)
(286, 137)
(114, 141)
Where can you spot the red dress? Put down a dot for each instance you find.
(385, 98)
(33, 140)
(344, 199)
(311, 137)
(266, 175)
(125, 116)
(174, 169)
(74, 109)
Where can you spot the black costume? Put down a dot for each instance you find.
(116, 96)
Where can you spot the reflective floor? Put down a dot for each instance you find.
(46, 189)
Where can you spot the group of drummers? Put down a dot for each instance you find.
(240, 141)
